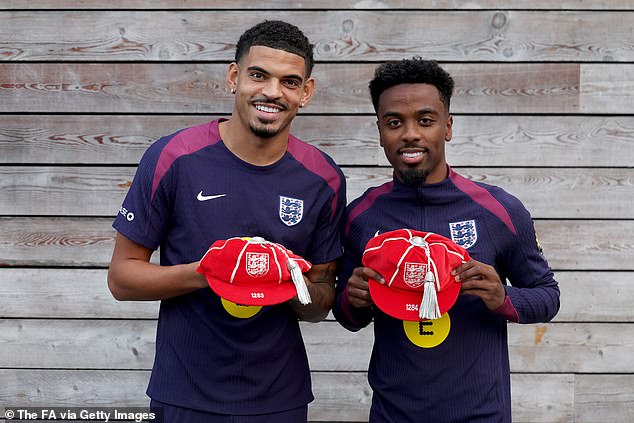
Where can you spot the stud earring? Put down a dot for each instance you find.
(233, 91)
(301, 105)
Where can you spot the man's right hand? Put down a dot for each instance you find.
(357, 288)
(131, 276)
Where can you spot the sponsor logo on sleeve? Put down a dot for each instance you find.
(126, 213)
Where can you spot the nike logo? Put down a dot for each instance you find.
(202, 197)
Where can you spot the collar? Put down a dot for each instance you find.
(398, 185)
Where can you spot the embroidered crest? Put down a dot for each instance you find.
(415, 274)
(257, 264)
(291, 210)
(464, 233)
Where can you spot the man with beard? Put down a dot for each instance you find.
(454, 368)
(246, 176)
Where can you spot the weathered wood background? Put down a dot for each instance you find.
(544, 107)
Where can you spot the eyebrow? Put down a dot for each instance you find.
(423, 111)
(264, 71)
(390, 114)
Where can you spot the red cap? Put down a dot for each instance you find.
(254, 271)
(417, 269)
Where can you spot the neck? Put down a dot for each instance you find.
(250, 148)
(420, 178)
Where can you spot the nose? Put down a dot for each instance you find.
(272, 89)
(410, 133)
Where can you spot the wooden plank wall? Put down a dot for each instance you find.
(544, 107)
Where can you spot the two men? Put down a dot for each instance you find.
(218, 361)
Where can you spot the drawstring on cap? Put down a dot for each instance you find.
(429, 304)
(256, 272)
(296, 275)
(417, 269)
(300, 284)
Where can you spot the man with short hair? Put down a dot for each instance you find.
(454, 368)
(246, 176)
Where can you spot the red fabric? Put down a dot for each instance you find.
(250, 271)
(403, 262)
(508, 311)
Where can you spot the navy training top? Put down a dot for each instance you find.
(189, 191)
(456, 368)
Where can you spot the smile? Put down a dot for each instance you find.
(412, 155)
(267, 109)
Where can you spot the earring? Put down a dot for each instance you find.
(301, 105)
(233, 91)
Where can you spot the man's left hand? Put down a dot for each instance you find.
(481, 280)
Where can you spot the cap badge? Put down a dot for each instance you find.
(257, 264)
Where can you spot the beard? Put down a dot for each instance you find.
(413, 177)
(263, 128)
(264, 131)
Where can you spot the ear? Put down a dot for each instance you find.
(378, 127)
(449, 129)
(307, 91)
(232, 76)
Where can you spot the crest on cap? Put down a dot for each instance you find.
(291, 210)
(415, 274)
(254, 271)
(257, 264)
(417, 269)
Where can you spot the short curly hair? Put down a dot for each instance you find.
(280, 36)
(411, 71)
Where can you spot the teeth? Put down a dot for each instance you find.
(266, 109)
(412, 155)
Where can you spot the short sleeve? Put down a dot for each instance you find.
(145, 211)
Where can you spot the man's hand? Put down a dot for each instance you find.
(358, 290)
(481, 280)
(320, 281)
(131, 276)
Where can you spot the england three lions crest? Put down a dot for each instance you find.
(291, 210)
(414, 275)
(464, 233)
(257, 264)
